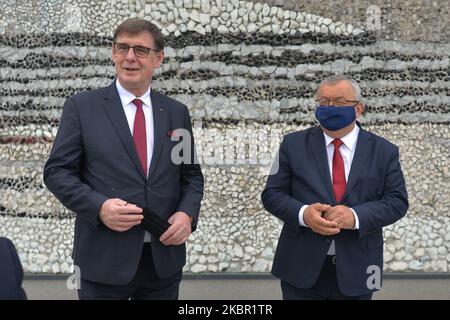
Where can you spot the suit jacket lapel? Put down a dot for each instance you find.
(114, 109)
(362, 153)
(317, 144)
(161, 125)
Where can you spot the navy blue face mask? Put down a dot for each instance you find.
(334, 118)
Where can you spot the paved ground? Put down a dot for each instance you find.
(247, 289)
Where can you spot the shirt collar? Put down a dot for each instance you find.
(349, 139)
(127, 97)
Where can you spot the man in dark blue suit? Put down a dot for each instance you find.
(11, 273)
(336, 187)
(113, 156)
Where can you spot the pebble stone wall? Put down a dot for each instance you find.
(248, 72)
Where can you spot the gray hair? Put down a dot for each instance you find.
(338, 78)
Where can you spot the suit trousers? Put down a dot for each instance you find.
(326, 287)
(146, 285)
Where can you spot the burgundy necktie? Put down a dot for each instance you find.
(338, 171)
(140, 134)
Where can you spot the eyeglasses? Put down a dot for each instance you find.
(139, 51)
(337, 102)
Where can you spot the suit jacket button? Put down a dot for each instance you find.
(147, 189)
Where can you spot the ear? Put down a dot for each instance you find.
(113, 54)
(359, 109)
(160, 58)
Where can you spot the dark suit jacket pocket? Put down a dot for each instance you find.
(113, 192)
(131, 194)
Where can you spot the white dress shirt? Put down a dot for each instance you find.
(126, 98)
(347, 150)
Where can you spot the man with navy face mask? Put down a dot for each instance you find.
(336, 188)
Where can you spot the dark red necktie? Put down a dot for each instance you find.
(140, 134)
(338, 171)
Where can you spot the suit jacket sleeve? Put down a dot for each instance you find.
(191, 180)
(62, 172)
(276, 197)
(11, 272)
(393, 204)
